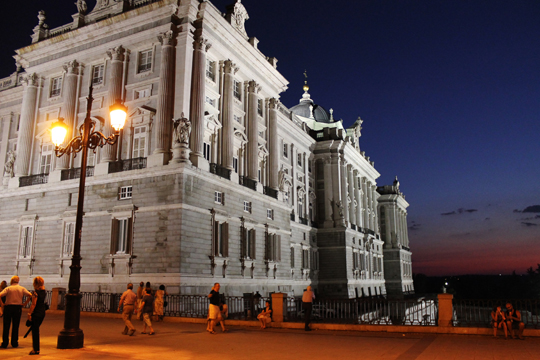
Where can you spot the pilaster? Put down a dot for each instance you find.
(229, 69)
(26, 125)
(273, 145)
(253, 131)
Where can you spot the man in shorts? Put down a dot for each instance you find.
(513, 321)
(214, 313)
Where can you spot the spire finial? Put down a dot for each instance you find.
(306, 87)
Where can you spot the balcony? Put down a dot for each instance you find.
(303, 221)
(293, 218)
(75, 173)
(353, 226)
(220, 171)
(33, 180)
(270, 192)
(126, 165)
(249, 183)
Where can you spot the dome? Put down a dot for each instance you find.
(319, 113)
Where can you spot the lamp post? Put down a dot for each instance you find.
(72, 337)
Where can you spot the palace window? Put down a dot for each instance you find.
(270, 214)
(126, 192)
(285, 150)
(248, 243)
(235, 164)
(247, 206)
(211, 70)
(219, 197)
(46, 158)
(25, 242)
(299, 159)
(305, 259)
(221, 239)
(56, 86)
(238, 90)
(292, 257)
(97, 74)
(139, 142)
(145, 61)
(121, 236)
(273, 247)
(206, 151)
(69, 238)
(314, 260)
(140, 94)
(260, 107)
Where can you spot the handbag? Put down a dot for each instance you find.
(165, 303)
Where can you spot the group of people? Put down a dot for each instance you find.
(12, 305)
(509, 320)
(144, 304)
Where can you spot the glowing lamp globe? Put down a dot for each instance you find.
(118, 115)
(58, 132)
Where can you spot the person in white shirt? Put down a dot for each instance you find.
(12, 311)
(129, 300)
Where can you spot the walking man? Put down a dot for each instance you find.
(12, 311)
(307, 304)
(140, 294)
(214, 314)
(128, 299)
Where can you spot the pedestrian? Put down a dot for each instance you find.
(140, 294)
(12, 311)
(513, 321)
(265, 317)
(147, 308)
(149, 288)
(3, 285)
(498, 321)
(36, 313)
(159, 302)
(128, 300)
(307, 304)
(257, 301)
(214, 313)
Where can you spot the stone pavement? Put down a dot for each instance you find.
(103, 340)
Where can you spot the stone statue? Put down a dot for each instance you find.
(182, 129)
(281, 178)
(237, 16)
(339, 206)
(8, 167)
(81, 7)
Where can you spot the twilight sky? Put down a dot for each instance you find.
(449, 91)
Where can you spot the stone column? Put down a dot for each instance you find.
(71, 69)
(365, 214)
(352, 209)
(358, 212)
(162, 126)
(306, 185)
(369, 205)
(328, 193)
(229, 69)
(273, 145)
(26, 125)
(116, 55)
(374, 208)
(344, 191)
(406, 228)
(253, 131)
(196, 110)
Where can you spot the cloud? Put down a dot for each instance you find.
(459, 211)
(415, 226)
(530, 218)
(528, 224)
(529, 209)
(486, 219)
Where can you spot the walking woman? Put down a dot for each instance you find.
(159, 302)
(36, 314)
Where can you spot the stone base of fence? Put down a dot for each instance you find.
(409, 329)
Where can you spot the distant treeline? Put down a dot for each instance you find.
(482, 286)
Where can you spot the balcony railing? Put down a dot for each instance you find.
(270, 192)
(126, 165)
(247, 182)
(293, 217)
(75, 173)
(220, 171)
(353, 226)
(33, 180)
(303, 221)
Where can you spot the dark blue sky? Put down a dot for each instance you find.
(449, 92)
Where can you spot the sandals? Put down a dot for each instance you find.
(33, 352)
(152, 333)
(143, 332)
(212, 332)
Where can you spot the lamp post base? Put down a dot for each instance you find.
(70, 339)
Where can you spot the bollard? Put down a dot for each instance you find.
(446, 310)
(56, 298)
(278, 307)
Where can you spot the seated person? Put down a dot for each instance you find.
(498, 321)
(513, 321)
(265, 317)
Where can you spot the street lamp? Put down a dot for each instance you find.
(72, 337)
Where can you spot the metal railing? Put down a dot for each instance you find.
(128, 164)
(270, 192)
(75, 173)
(368, 311)
(247, 182)
(196, 306)
(220, 171)
(303, 221)
(477, 313)
(33, 180)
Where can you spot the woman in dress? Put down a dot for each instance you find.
(159, 301)
(36, 314)
(265, 317)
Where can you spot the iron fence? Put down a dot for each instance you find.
(477, 313)
(368, 311)
(196, 306)
(127, 164)
(33, 180)
(75, 173)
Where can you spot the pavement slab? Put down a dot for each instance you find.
(190, 341)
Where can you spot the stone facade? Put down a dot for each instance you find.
(213, 179)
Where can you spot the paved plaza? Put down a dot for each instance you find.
(103, 340)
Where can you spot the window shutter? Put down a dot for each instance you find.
(267, 246)
(215, 237)
(278, 248)
(252, 243)
(225, 238)
(114, 236)
(243, 242)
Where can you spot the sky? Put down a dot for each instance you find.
(449, 91)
